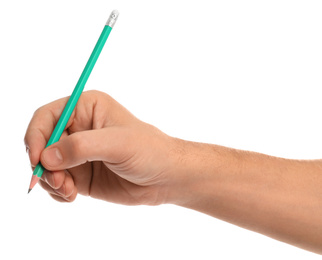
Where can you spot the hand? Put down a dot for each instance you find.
(107, 153)
(104, 152)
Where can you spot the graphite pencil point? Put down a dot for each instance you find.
(34, 180)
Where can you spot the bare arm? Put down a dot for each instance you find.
(108, 154)
(277, 197)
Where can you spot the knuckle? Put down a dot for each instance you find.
(38, 111)
(102, 95)
(99, 95)
(93, 92)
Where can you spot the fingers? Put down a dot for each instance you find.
(59, 185)
(110, 141)
(40, 128)
(94, 110)
(45, 119)
(112, 145)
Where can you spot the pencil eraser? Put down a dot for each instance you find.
(112, 19)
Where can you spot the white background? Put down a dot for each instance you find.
(243, 74)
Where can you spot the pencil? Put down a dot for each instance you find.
(68, 110)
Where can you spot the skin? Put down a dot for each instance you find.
(109, 154)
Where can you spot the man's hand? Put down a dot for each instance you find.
(105, 152)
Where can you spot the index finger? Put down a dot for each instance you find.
(41, 127)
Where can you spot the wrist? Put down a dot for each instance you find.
(196, 169)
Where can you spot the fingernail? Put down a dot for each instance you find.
(53, 157)
(61, 190)
(50, 179)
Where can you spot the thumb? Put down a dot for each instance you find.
(105, 144)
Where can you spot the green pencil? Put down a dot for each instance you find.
(68, 110)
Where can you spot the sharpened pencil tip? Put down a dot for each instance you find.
(34, 180)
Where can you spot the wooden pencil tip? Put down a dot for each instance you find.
(34, 180)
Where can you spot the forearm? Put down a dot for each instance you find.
(277, 197)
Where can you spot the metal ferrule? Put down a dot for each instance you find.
(112, 19)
